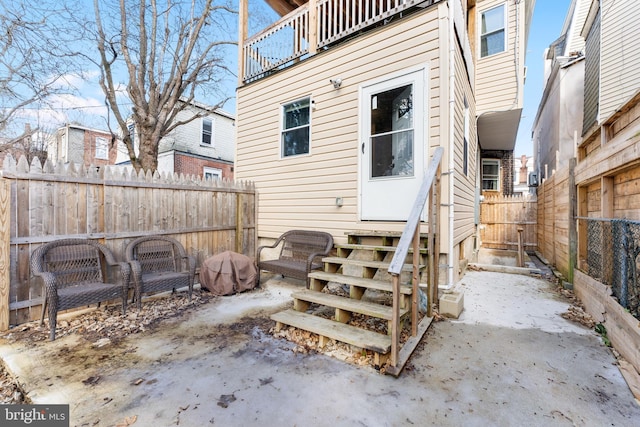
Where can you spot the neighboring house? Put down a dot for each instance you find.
(522, 169)
(203, 147)
(30, 144)
(557, 128)
(607, 168)
(503, 28)
(81, 145)
(337, 131)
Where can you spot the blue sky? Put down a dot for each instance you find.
(88, 107)
(548, 18)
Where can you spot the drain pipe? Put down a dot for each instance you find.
(452, 138)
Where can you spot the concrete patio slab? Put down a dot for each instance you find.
(509, 360)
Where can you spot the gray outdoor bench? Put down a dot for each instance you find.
(159, 263)
(301, 253)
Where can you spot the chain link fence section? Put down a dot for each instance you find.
(613, 249)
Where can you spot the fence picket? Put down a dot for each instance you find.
(53, 201)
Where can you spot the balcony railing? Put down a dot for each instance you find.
(290, 39)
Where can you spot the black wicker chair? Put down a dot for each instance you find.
(301, 253)
(159, 263)
(76, 273)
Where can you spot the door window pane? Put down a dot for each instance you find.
(392, 133)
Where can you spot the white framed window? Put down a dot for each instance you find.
(211, 173)
(132, 133)
(102, 148)
(493, 31)
(296, 127)
(491, 174)
(207, 131)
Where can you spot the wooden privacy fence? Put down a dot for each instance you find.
(39, 204)
(557, 239)
(500, 218)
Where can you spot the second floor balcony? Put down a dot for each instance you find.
(313, 27)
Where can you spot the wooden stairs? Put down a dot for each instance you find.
(355, 283)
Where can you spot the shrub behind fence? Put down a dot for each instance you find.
(114, 205)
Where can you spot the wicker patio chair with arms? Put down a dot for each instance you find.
(159, 263)
(301, 253)
(77, 273)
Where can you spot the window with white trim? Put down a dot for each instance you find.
(295, 129)
(492, 31)
(102, 148)
(211, 173)
(207, 131)
(132, 133)
(491, 174)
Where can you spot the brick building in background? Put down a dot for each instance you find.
(82, 145)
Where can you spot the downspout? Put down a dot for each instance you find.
(452, 136)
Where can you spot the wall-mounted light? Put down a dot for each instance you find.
(339, 202)
(336, 83)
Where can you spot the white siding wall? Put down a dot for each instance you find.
(75, 148)
(300, 191)
(619, 55)
(497, 82)
(188, 137)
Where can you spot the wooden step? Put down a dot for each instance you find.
(377, 248)
(359, 282)
(348, 304)
(360, 338)
(381, 265)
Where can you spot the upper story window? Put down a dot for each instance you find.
(132, 133)
(296, 123)
(102, 148)
(491, 174)
(207, 131)
(492, 31)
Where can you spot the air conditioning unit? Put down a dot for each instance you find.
(533, 179)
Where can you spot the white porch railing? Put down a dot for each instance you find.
(339, 18)
(285, 41)
(290, 38)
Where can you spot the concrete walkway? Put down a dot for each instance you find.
(510, 360)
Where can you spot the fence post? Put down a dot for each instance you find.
(5, 235)
(573, 209)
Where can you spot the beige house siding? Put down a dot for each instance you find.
(464, 185)
(620, 63)
(300, 191)
(497, 76)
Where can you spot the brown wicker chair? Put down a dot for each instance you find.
(159, 263)
(299, 255)
(76, 273)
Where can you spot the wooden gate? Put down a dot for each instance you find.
(502, 216)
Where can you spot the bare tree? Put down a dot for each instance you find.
(30, 63)
(168, 53)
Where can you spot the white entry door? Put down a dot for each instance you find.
(392, 146)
